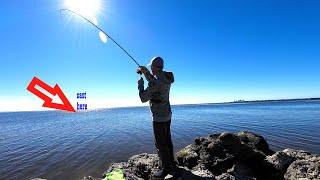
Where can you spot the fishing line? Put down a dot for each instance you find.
(89, 21)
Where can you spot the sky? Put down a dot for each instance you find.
(219, 51)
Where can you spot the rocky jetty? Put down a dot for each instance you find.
(228, 156)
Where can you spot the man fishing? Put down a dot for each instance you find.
(157, 93)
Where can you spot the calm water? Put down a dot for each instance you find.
(57, 145)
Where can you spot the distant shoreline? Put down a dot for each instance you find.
(231, 102)
(251, 101)
(275, 100)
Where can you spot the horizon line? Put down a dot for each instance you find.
(177, 104)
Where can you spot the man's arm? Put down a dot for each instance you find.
(149, 76)
(146, 73)
(144, 94)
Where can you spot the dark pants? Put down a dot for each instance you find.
(162, 138)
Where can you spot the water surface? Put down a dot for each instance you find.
(58, 145)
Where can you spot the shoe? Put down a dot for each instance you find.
(162, 173)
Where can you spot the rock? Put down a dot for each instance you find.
(296, 154)
(225, 176)
(197, 141)
(249, 149)
(219, 152)
(280, 160)
(241, 172)
(216, 149)
(188, 157)
(228, 139)
(255, 141)
(227, 156)
(307, 166)
(138, 166)
(89, 178)
(201, 171)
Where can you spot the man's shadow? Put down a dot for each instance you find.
(187, 175)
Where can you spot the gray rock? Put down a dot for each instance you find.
(201, 171)
(225, 176)
(280, 160)
(138, 166)
(297, 154)
(306, 166)
(188, 156)
(90, 178)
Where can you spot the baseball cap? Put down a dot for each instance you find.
(157, 61)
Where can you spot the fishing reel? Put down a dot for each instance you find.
(139, 72)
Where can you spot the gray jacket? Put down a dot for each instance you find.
(157, 93)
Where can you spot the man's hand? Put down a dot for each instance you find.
(141, 84)
(146, 73)
(143, 69)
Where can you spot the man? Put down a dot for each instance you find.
(157, 93)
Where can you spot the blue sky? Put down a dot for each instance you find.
(218, 50)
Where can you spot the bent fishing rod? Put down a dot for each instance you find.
(127, 53)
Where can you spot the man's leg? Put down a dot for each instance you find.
(162, 137)
(174, 170)
(169, 144)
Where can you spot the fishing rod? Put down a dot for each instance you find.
(127, 53)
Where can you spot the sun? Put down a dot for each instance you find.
(87, 8)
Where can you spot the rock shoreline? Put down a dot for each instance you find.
(227, 156)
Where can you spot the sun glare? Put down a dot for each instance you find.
(87, 8)
(103, 37)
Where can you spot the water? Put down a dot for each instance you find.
(58, 145)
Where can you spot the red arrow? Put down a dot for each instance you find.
(47, 100)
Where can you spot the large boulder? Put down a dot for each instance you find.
(255, 141)
(220, 153)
